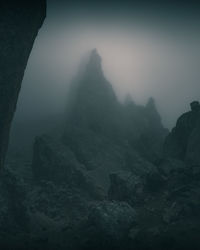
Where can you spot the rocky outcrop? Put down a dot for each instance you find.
(145, 131)
(53, 161)
(184, 140)
(92, 103)
(166, 204)
(108, 225)
(19, 25)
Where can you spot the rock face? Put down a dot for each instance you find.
(92, 100)
(184, 141)
(166, 204)
(19, 25)
(14, 219)
(53, 161)
(108, 225)
(145, 131)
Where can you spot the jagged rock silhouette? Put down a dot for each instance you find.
(184, 141)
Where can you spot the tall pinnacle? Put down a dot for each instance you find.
(94, 62)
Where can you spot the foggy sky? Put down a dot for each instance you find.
(146, 49)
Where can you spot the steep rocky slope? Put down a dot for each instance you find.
(147, 206)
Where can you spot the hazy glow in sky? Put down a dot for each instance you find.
(143, 59)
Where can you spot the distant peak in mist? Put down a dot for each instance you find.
(94, 61)
(94, 55)
(90, 62)
(151, 103)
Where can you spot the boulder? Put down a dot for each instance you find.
(125, 186)
(108, 225)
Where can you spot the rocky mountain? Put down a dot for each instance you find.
(92, 100)
(145, 206)
(101, 180)
(102, 134)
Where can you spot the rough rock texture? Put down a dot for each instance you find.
(14, 219)
(167, 211)
(184, 140)
(108, 225)
(147, 207)
(19, 25)
(53, 161)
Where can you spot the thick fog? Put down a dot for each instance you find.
(145, 52)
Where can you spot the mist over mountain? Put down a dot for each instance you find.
(102, 133)
(106, 173)
(111, 155)
(149, 49)
(91, 163)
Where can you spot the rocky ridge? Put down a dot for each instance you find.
(103, 182)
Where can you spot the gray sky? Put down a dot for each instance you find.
(146, 51)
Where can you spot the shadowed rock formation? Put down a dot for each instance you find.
(99, 181)
(144, 129)
(184, 140)
(102, 134)
(19, 25)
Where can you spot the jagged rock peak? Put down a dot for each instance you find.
(152, 111)
(94, 62)
(151, 104)
(95, 57)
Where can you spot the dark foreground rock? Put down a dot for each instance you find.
(184, 140)
(147, 206)
(53, 161)
(14, 218)
(168, 215)
(108, 225)
(19, 25)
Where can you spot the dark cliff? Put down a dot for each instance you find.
(19, 25)
(184, 140)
